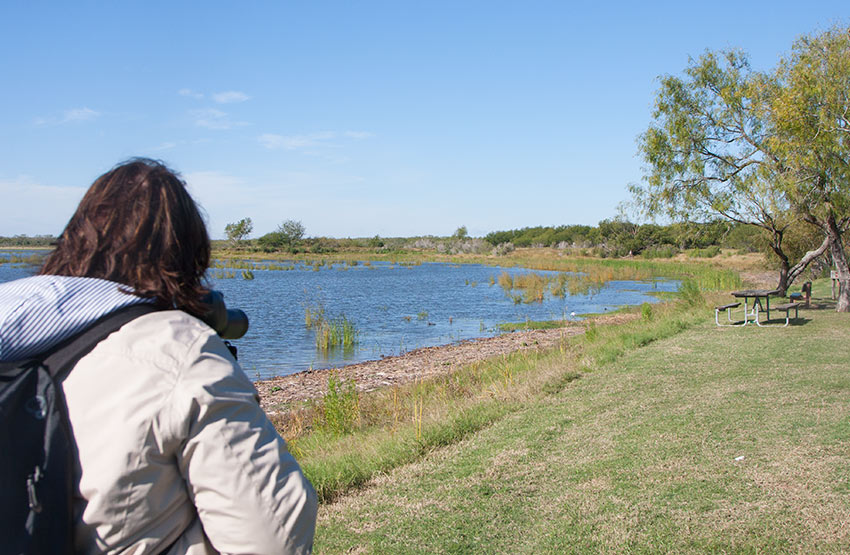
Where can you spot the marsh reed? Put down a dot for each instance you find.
(331, 332)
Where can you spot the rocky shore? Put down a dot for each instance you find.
(414, 365)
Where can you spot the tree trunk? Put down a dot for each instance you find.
(804, 262)
(839, 257)
(784, 280)
(784, 265)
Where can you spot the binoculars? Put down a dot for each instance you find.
(228, 323)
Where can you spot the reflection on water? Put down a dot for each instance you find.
(394, 308)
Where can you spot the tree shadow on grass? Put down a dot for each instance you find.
(815, 304)
(820, 303)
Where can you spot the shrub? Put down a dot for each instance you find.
(469, 246)
(664, 251)
(425, 243)
(591, 333)
(502, 249)
(746, 238)
(341, 405)
(708, 252)
(690, 294)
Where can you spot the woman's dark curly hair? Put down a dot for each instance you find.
(138, 226)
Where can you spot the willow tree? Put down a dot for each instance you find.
(238, 231)
(811, 114)
(710, 151)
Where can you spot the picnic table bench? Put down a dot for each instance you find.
(760, 303)
(788, 307)
(728, 308)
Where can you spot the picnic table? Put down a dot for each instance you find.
(757, 296)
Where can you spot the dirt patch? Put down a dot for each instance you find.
(760, 279)
(415, 365)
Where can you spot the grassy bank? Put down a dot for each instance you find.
(347, 439)
(665, 434)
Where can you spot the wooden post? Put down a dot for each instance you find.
(833, 275)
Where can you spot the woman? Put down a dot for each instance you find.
(175, 453)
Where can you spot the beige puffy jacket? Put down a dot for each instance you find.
(175, 453)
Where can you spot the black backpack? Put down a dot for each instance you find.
(37, 451)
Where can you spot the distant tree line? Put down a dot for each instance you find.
(610, 238)
(27, 241)
(619, 238)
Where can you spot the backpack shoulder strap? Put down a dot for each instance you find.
(61, 358)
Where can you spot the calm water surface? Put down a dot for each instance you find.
(395, 308)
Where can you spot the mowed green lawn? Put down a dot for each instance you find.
(717, 439)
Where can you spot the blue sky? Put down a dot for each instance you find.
(356, 118)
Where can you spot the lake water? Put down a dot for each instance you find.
(395, 308)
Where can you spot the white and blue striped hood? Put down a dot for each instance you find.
(39, 312)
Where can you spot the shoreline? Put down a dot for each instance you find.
(423, 363)
(22, 248)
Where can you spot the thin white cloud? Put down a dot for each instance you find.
(273, 141)
(211, 118)
(267, 200)
(212, 183)
(40, 209)
(168, 145)
(292, 142)
(73, 115)
(79, 114)
(358, 134)
(230, 97)
(190, 93)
